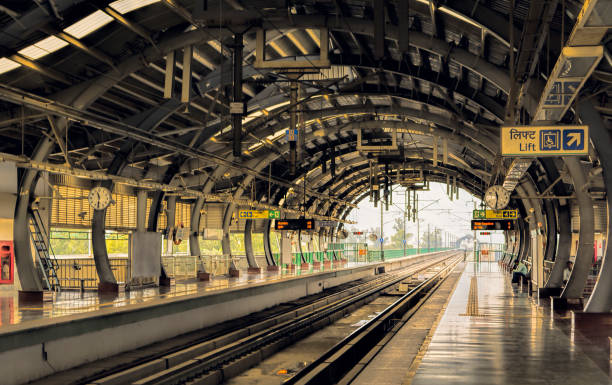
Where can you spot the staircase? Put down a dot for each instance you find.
(45, 259)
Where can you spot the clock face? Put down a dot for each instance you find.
(497, 197)
(99, 198)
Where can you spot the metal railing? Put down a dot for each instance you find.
(80, 273)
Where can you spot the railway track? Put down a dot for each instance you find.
(216, 359)
(343, 362)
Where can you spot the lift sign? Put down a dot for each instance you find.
(544, 140)
(504, 224)
(294, 224)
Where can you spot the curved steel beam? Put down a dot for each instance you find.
(82, 96)
(601, 300)
(584, 254)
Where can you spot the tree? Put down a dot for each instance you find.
(434, 237)
(397, 239)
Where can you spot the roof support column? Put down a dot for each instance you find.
(170, 219)
(194, 243)
(108, 283)
(555, 280)
(601, 300)
(225, 241)
(584, 254)
(248, 247)
(266, 243)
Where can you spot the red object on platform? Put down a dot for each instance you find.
(7, 262)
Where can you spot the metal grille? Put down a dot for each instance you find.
(70, 208)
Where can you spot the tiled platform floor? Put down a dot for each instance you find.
(74, 302)
(511, 341)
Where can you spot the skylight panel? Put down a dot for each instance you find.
(126, 6)
(43, 48)
(7, 65)
(88, 24)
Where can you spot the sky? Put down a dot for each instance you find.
(436, 210)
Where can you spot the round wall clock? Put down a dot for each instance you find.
(497, 197)
(99, 198)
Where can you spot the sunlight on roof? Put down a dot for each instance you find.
(43, 48)
(7, 65)
(88, 24)
(125, 6)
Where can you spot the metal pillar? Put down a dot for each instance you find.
(170, 219)
(381, 240)
(584, 254)
(299, 236)
(563, 247)
(141, 210)
(293, 98)
(248, 245)
(225, 241)
(601, 300)
(98, 243)
(266, 243)
(404, 228)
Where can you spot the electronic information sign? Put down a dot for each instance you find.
(294, 224)
(486, 224)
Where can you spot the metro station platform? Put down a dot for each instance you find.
(491, 333)
(73, 331)
(69, 302)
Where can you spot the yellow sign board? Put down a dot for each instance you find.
(253, 214)
(532, 141)
(495, 214)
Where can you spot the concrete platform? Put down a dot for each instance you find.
(501, 336)
(70, 302)
(97, 328)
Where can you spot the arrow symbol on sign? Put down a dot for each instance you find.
(574, 138)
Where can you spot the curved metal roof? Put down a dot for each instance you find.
(92, 72)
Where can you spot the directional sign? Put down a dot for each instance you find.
(533, 141)
(495, 214)
(259, 214)
(487, 224)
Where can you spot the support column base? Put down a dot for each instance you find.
(254, 270)
(546, 292)
(203, 276)
(560, 303)
(273, 268)
(108, 287)
(234, 273)
(316, 265)
(305, 266)
(30, 296)
(166, 281)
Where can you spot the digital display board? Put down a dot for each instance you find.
(294, 224)
(504, 224)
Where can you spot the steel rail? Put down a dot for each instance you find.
(186, 364)
(337, 362)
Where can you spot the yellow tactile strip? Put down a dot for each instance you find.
(471, 310)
